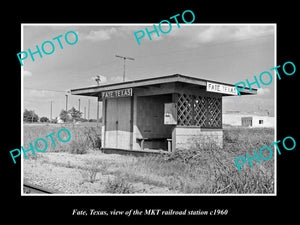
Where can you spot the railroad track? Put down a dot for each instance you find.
(35, 189)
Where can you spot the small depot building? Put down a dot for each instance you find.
(162, 113)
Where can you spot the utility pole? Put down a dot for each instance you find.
(79, 105)
(66, 102)
(50, 110)
(124, 58)
(88, 109)
(84, 112)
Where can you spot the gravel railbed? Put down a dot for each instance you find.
(63, 172)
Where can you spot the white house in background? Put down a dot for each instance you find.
(258, 121)
(235, 118)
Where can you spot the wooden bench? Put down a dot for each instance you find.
(142, 140)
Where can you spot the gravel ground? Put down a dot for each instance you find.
(65, 173)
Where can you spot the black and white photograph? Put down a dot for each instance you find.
(148, 114)
(157, 115)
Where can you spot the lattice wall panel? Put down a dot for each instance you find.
(199, 111)
(214, 113)
(184, 110)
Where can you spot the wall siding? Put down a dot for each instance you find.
(187, 137)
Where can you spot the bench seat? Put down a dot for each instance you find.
(142, 140)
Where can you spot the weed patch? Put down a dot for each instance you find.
(91, 169)
(118, 185)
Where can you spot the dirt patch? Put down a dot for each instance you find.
(70, 173)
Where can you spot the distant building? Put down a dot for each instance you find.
(247, 120)
(258, 121)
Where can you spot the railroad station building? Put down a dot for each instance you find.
(162, 113)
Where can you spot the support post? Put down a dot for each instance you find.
(98, 111)
(173, 140)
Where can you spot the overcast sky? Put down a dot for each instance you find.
(227, 53)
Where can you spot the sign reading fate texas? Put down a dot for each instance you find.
(221, 88)
(117, 93)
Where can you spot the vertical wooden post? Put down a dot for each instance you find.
(173, 142)
(134, 122)
(97, 110)
(131, 121)
(103, 128)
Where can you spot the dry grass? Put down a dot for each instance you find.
(209, 169)
(118, 185)
(82, 137)
(203, 169)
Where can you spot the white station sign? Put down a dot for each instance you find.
(117, 93)
(221, 88)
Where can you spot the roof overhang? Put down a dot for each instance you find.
(96, 90)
